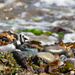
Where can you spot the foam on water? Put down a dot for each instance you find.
(69, 37)
(60, 2)
(9, 1)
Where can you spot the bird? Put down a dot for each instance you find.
(10, 41)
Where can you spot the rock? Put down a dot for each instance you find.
(57, 74)
(69, 53)
(28, 53)
(72, 72)
(40, 69)
(6, 48)
(43, 74)
(55, 49)
(62, 59)
(71, 60)
(67, 67)
(2, 67)
(56, 56)
(61, 29)
(58, 50)
(46, 56)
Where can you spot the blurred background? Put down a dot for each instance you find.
(51, 16)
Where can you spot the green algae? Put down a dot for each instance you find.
(35, 31)
(68, 67)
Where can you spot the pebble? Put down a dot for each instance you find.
(46, 56)
(67, 67)
(28, 53)
(43, 74)
(2, 67)
(72, 73)
(6, 48)
(56, 56)
(58, 50)
(40, 70)
(63, 58)
(55, 49)
(72, 60)
(68, 53)
(57, 74)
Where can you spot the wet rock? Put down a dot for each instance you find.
(71, 60)
(52, 70)
(72, 72)
(28, 53)
(56, 56)
(58, 50)
(46, 56)
(43, 74)
(2, 67)
(55, 49)
(62, 59)
(13, 50)
(29, 73)
(56, 62)
(57, 74)
(67, 67)
(69, 53)
(6, 48)
(60, 29)
(40, 70)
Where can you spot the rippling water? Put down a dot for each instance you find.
(41, 14)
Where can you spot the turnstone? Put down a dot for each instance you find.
(10, 41)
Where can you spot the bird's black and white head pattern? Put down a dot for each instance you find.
(23, 38)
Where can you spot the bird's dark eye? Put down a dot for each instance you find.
(24, 38)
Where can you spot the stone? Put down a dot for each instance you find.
(67, 67)
(55, 49)
(29, 53)
(43, 74)
(57, 74)
(63, 58)
(46, 56)
(71, 60)
(6, 48)
(2, 67)
(69, 53)
(72, 72)
(40, 69)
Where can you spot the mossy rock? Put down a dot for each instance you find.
(68, 67)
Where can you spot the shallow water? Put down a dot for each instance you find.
(42, 15)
